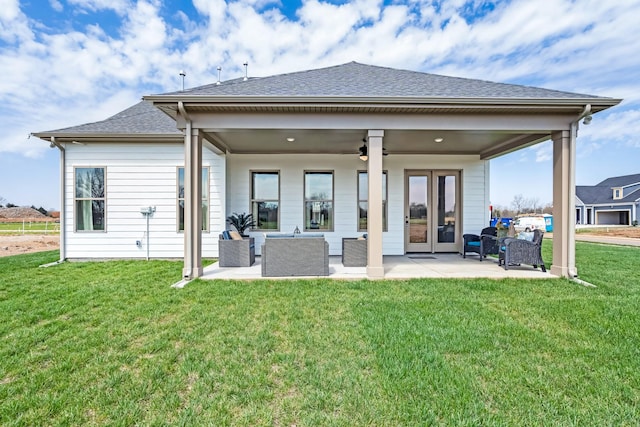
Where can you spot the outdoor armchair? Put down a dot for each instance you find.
(484, 244)
(521, 251)
(236, 253)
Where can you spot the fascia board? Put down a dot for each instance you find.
(240, 99)
(112, 137)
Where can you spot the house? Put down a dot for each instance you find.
(614, 201)
(289, 149)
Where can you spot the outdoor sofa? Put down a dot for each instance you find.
(295, 255)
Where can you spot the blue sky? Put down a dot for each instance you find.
(67, 62)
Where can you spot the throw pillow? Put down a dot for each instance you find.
(235, 235)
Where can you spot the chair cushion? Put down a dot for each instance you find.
(278, 236)
(235, 235)
(476, 243)
(528, 236)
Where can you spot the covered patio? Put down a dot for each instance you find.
(426, 124)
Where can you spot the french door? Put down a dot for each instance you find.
(432, 211)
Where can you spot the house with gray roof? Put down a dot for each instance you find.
(353, 149)
(614, 201)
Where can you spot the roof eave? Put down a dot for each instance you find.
(242, 99)
(112, 137)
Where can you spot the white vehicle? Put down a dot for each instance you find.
(530, 223)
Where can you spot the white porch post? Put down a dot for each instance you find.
(564, 191)
(193, 203)
(375, 267)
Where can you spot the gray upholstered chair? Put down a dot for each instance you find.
(236, 253)
(520, 251)
(354, 252)
(484, 244)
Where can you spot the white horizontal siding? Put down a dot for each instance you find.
(139, 175)
(474, 174)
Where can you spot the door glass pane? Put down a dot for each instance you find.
(446, 209)
(418, 212)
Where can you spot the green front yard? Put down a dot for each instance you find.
(112, 344)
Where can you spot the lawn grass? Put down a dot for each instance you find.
(110, 343)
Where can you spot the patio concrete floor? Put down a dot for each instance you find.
(397, 267)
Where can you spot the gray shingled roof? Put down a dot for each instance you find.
(603, 192)
(361, 80)
(142, 118)
(621, 181)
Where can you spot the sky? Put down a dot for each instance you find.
(69, 62)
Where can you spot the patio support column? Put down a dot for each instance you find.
(193, 203)
(375, 267)
(564, 193)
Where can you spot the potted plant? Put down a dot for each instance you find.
(241, 221)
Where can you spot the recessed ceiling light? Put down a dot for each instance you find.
(439, 140)
(290, 139)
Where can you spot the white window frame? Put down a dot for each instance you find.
(253, 200)
(305, 200)
(206, 198)
(76, 199)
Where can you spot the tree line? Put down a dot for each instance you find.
(521, 205)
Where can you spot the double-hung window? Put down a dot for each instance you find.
(204, 196)
(265, 199)
(90, 200)
(318, 201)
(363, 200)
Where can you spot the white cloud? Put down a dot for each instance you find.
(585, 46)
(56, 5)
(120, 6)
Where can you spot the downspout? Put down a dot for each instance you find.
(63, 204)
(188, 238)
(586, 115)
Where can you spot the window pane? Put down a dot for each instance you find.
(362, 215)
(89, 215)
(265, 186)
(318, 215)
(181, 215)
(205, 215)
(363, 186)
(265, 215)
(89, 183)
(205, 183)
(446, 209)
(318, 186)
(181, 183)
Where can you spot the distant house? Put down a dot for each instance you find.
(346, 150)
(614, 201)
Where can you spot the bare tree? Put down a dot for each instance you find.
(534, 204)
(518, 203)
(2, 200)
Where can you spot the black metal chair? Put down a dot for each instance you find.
(484, 244)
(519, 251)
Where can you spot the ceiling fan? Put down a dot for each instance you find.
(363, 152)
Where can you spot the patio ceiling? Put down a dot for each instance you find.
(347, 141)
